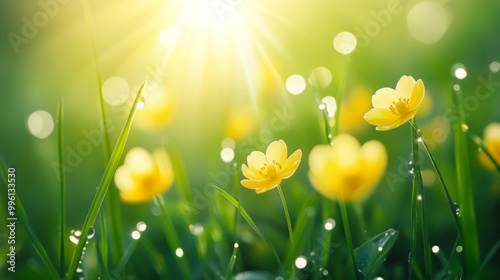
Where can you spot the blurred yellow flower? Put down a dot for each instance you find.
(158, 110)
(144, 175)
(392, 108)
(265, 171)
(491, 141)
(241, 123)
(346, 169)
(354, 105)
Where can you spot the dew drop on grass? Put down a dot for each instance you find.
(325, 272)
(380, 249)
(91, 233)
(435, 249)
(419, 197)
(459, 249)
(456, 207)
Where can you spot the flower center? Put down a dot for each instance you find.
(271, 170)
(400, 107)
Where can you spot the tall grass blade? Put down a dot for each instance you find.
(104, 184)
(173, 239)
(112, 210)
(21, 215)
(248, 219)
(467, 214)
(62, 187)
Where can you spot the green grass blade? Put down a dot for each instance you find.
(104, 184)
(126, 257)
(102, 266)
(488, 258)
(420, 218)
(467, 214)
(479, 143)
(348, 237)
(21, 215)
(371, 255)
(62, 187)
(112, 210)
(232, 261)
(249, 220)
(287, 216)
(173, 239)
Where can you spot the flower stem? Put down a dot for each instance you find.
(418, 209)
(433, 161)
(289, 223)
(347, 230)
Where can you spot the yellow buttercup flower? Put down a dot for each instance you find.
(491, 141)
(392, 108)
(346, 169)
(144, 175)
(158, 111)
(265, 171)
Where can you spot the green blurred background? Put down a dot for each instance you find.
(226, 57)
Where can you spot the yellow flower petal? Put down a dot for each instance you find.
(405, 86)
(380, 116)
(417, 95)
(261, 186)
(276, 152)
(384, 97)
(291, 164)
(256, 160)
(346, 169)
(250, 174)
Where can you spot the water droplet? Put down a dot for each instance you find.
(236, 245)
(410, 167)
(465, 127)
(459, 249)
(322, 106)
(419, 197)
(330, 224)
(75, 236)
(196, 229)
(435, 249)
(378, 278)
(136, 234)
(419, 139)
(300, 262)
(325, 272)
(456, 208)
(380, 249)
(141, 104)
(331, 105)
(179, 252)
(79, 270)
(91, 233)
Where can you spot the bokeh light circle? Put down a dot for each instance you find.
(427, 22)
(295, 84)
(40, 124)
(344, 42)
(495, 66)
(320, 77)
(115, 91)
